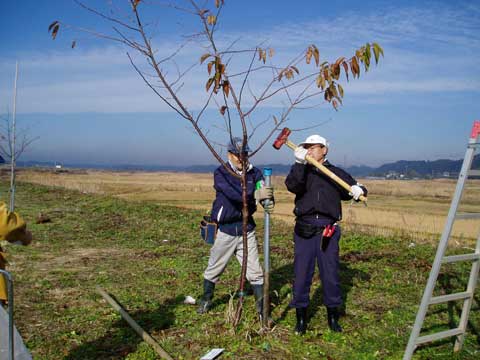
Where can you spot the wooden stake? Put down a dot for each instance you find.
(143, 334)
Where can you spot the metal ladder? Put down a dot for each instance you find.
(9, 280)
(440, 258)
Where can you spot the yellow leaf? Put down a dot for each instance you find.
(320, 81)
(211, 19)
(340, 90)
(380, 50)
(377, 51)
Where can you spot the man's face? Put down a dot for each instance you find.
(235, 160)
(316, 151)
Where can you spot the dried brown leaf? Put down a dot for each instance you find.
(316, 55)
(335, 104)
(135, 4)
(226, 88)
(52, 25)
(223, 109)
(308, 55)
(209, 83)
(55, 31)
(204, 57)
(339, 60)
(345, 67)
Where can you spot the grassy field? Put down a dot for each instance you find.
(149, 256)
(415, 209)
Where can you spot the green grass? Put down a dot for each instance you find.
(149, 257)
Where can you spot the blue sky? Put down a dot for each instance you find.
(89, 105)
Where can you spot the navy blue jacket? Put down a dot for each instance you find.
(316, 193)
(227, 206)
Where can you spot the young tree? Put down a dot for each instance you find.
(13, 143)
(238, 81)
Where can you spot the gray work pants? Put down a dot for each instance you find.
(224, 248)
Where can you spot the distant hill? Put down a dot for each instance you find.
(436, 168)
(419, 168)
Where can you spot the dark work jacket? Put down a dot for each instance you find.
(227, 206)
(316, 193)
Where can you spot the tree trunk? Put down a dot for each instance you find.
(241, 292)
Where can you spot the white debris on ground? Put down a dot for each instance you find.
(189, 300)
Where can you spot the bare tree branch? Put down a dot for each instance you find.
(96, 12)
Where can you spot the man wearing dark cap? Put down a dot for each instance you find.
(317, 234)
(227, 213)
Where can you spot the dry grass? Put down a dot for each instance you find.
(416, 208)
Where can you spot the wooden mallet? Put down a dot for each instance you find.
(283, 139)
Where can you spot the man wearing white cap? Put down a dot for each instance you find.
(317, 210)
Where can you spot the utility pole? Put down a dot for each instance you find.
(12, 143)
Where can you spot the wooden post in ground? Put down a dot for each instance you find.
(143, 334)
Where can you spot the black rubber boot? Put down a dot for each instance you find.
(206, 301)
(258, 293)
(333, 316)
(301, 326)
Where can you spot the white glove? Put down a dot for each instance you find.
(356, 191)
(300, 154)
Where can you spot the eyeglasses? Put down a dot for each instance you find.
(314, 146)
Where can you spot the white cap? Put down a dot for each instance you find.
(315, 139)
